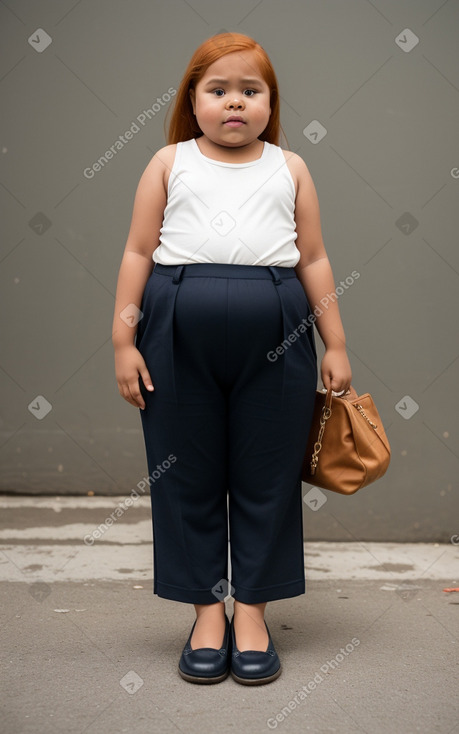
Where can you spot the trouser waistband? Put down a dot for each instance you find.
(225, 270)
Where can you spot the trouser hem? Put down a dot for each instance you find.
(188, 596)
(246, 596)
(269, 593)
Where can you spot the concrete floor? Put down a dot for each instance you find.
(87, 647)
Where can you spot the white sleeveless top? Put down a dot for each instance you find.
(217, 212)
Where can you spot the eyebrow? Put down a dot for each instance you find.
(247, 80)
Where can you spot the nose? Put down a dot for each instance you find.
(235, 104)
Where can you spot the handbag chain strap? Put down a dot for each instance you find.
(361, 411)
(324, 416)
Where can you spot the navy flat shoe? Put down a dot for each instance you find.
(254, 667)
(206, 664)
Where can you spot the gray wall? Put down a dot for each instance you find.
(387, 175)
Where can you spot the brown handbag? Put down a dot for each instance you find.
(347, 446)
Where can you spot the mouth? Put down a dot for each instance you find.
(234, 121)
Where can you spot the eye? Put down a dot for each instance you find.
(252, 92)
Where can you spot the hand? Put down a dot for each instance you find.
(129, 363)
(336, 370)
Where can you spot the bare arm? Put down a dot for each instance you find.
(314, 271)
(143, 239)
(134, 272)
(136, 267)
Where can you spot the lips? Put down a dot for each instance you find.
(234, 119)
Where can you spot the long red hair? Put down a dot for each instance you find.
(183, 124)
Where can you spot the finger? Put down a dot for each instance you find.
(125, 393)
(336, 384)
(147, 381)
(129, 393)
(137, 397)
(325, 379)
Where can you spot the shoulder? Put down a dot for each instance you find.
(165, 156)
(162, 159)
(299, 170)
(295, 162)
(161, 164)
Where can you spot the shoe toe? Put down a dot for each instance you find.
(253, 667)
(206, 664)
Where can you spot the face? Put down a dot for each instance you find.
(232, 87)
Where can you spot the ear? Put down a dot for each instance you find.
(193, 100)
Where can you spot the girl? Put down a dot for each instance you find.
(223, 364)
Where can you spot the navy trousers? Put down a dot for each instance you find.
(226, 428)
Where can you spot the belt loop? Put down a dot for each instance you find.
(178, 274)
(275, 275)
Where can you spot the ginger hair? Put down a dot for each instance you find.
(183, 124)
